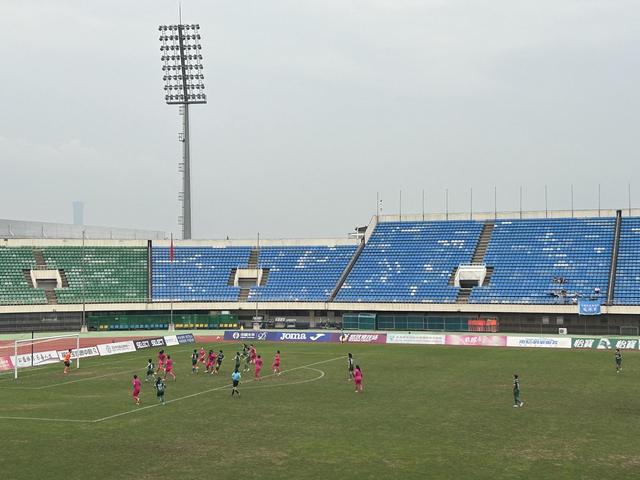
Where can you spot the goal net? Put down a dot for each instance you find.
(37, 352)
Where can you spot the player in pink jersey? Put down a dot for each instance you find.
(168, 369)
(162, 357)
(203, 355)
(276, 364)
(357, 378)
(136, 389)
(258, 364)
(211, 361)
(252, 353)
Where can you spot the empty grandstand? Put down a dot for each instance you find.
(530, 274)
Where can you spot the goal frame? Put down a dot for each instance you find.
(33, 341)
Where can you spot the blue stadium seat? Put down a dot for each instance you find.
(411, 262)
(627, 287)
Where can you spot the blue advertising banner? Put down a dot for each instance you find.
(185, 338)
(240, 335)
(589, 307)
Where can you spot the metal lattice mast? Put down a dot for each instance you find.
(183, 85)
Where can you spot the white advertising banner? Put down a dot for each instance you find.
(39, 358)
(416, 338)
(539, 342)
(82, 353)
(171, 340)
(116, 348)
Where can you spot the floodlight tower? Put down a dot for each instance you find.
(183, 85)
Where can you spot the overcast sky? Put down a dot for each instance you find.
(314, 106)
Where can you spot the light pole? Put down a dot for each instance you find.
(183, 85)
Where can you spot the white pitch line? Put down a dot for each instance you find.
(299, 382)
(48, 419)
(207, 391)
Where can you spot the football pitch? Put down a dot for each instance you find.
(426, 412)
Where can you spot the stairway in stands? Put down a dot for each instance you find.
(252, 264)
(477, 259)
(41, 264)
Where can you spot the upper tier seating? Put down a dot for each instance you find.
(100, 274)
(627, 288)
(411, 262)
(197, 273)
(301, 274)
(14, 287)
(534, 258)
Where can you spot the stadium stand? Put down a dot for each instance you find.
(100, 274)
(197, 273)
(543, 261)
(627, 290)
(15, 287)
(300, 273)
(411, 262)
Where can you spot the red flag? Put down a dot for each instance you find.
(171, 249)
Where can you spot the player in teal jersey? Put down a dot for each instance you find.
(516, 392)
(194, 361)
(235, 376)
(160, 387)
(618, 360)
(150, 371)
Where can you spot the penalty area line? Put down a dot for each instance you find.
(117, 415)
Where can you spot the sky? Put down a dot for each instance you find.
(316, 107)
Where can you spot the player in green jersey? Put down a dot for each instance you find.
(516, 392)
(150, 371)
(160, 387)
(194, 361)
(618, 360)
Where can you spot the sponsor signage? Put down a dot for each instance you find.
(415, 339)
(80, 353)
(245, 335)
(477, 340)
(5, 363)
(589, 307)
(185, 338)
(362, 337)
(605, 343)
(539, 342)
(240, 335)
(149, 343)
(39, 358)
(171, 340)
(116, 348)
(298, 336)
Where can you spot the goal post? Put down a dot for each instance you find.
(47, 351)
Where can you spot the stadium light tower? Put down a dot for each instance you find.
(183, 85)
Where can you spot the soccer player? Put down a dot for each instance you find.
(136, 389)
(235, 376)
(258, 367)
(357, 378)
(168, 369)
(350, 364)
(194, 361)
(161, 359)
(67, 361)
(276, 364)
(150, 372)
(252, 353)
(211, 361)
(160, 387)
(203, 354)
(516, 392)
(219, 362)
(237, 360)
(618, 360)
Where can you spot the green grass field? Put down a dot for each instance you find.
(427, 412)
